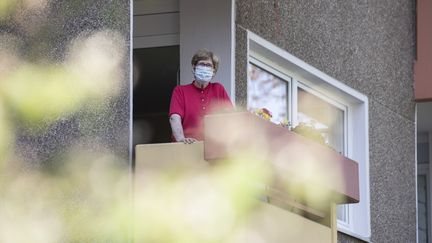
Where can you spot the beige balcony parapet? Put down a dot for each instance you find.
(304, 181)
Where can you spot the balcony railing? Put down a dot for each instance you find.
(307, 179)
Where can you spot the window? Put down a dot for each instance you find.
(266, 89)
(295, 91)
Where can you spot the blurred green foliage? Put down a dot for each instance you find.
(41, 94)
(6, 7)
(53, 66)
(46, 76)
(53, 71)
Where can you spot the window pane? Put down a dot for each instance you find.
(323, 116)
(265, 90)
(422, 206)
(342, 213)
(329, 120)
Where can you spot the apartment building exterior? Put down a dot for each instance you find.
(355, 57)
(347, 67)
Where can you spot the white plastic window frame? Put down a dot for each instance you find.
(356, 116)
(342, 224)
(293, 86)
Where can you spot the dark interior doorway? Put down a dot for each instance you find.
(155, 76)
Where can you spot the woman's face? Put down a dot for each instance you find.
(204, 71)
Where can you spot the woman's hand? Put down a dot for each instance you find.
(177, 129)
(189, 140)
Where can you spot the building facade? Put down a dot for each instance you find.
(345, 67)
(356, 43)
(364, 50)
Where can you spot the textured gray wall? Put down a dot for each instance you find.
(369, 45)
(64, 117)
(43, 36)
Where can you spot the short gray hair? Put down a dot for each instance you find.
(205, 54)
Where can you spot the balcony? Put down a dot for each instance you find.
(298, 182)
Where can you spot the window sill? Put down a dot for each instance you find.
(352, 234)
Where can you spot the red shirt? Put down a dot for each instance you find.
(192, 103)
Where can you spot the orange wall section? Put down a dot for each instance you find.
(423, 64)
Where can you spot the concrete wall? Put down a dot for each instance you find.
(64, 103)
(368, 45)
(52, 37)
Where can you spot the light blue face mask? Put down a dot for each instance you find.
(203, 73)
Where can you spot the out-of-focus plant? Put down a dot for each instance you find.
(285, 123)
(43, 93)
(310, 132)
(210, 205)
(6, 6)
(263, 113)
(302, 129)
(85, 196)
(79, 203)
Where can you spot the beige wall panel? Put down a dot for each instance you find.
(158, 24)
(156, 41)
(169, 156)
(142, 7)
(276, 225)
(268, 224)
(207, 24)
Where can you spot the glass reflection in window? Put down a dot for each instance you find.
(266, 90)
(323, 116)
(329, 121)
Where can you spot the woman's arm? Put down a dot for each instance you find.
(177, 129)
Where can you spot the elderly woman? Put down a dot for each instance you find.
(189, 103)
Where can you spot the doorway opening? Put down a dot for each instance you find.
(424, 172)
(155, 75)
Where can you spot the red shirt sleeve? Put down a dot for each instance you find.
(177, 105)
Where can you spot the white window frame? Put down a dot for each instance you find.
(345, 225)
(336, 93)
(293, 86)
